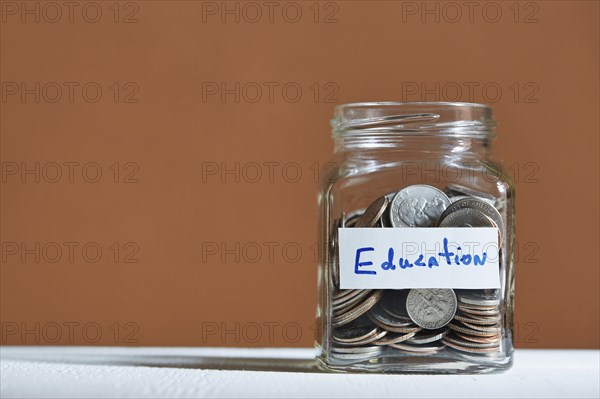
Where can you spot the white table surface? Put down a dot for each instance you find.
(216, 372)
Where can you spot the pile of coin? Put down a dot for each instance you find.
(418, 321)
(476, 326)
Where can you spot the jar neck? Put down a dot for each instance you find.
(418, 130)
(398, 146)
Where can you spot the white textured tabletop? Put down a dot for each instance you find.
(217, 372)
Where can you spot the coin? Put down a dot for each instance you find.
(431, 308)
(373, 213)
(466, 217)
(356, 353)
(356, 350)
(469, 349)
(365, 339)
(470, 331)
(395, 338)
(458, 190)
(470, 344)
(418, 205)
(393, 302)
(486, 329)
(357, 311)
(480, 298)
(474, 203)
(427, 336)
(420, 349)
(356, 331)
(349, 301)
(383, 318)
(483, 321)
(352, 218)
(341, 293)
(478, 312)
(481, 340)
(385, 220)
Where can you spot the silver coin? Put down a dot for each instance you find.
(493, 329)
(455, 198)
(348, 301)
(359, 330)
(384, 318)
(478, 312)
(486, 321)
(474, 203)
(394, 338)
(420, 349)
(370, 339)
(470, 344)
(480, 298)
(355, 350)
(385, 220)
(393, 302)
(456, 188)
(358, 356)
(427, 337)
(469, 349)
(344, 295)
(431, 308)
(373, 213)
(481, 340)
(469, 331)
(466, 217)
(418, 205)
(357, 311)
(351, 219)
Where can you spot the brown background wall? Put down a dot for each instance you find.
(142, 102)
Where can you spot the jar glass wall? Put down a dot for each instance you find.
(413, 170)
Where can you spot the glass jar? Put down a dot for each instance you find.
(417, 232)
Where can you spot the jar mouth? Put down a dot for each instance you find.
(413, 118)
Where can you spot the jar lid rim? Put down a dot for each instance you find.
(412, 103)
(453, 118)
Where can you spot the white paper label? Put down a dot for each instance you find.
(419, 257)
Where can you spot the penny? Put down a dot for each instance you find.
(373, 213)
(474, 203)
(431, 308)
(418, 205)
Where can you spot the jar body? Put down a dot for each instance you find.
(353, 329)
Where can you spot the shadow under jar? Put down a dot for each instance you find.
(417, 232)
